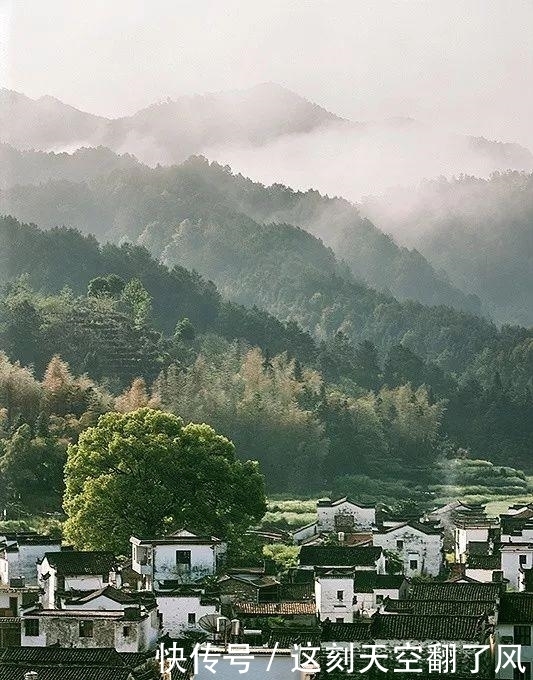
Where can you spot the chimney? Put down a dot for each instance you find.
(31, 675)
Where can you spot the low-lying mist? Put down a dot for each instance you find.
(355, 162)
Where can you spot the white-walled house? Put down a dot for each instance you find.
(180, 558)
(181, 612)
(372, 589)
(135, 629)
(74, 570)
(473, 530)
(19, 555)
(344, 515)
(12, 601)
(334, 594)
(419, 545)
(515, 558)
(514, 627)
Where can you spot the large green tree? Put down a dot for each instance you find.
(145, 473)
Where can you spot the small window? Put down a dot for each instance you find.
(183, 561)
(413, 565)
(13, 606)
(126, 630)
(340, 594)
(191, 618)
(522, 559)
(86, 629)
(31, 627)
(522, 635)
(339, 620)
(399, 545)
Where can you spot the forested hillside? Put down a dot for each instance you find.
(183, 215)
(36, 167)
(318, 415)
(194, 190)
(479, 230)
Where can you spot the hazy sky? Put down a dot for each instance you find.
(466, 64)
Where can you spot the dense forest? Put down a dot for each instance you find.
(477, 230)
(129, 198)
(88, 327)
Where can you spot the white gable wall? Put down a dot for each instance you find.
(425, 549)
(363, 518)
(175, 612)
(328, 605)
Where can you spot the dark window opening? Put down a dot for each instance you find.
(86, 629)
(522, 635)
(31, 627)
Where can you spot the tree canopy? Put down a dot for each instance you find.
(146, 473)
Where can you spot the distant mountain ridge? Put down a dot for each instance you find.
(175, 128)
(171, 131)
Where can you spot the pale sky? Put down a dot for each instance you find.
(463, 64)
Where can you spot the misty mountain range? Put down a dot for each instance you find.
(458, 254)
(171, 131)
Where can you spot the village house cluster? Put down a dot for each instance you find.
(454, 577)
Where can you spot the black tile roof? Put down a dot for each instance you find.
(424, 527)
(339, 556)
(478, 547)
(119, 596)
(440, 607)
(474, 592)
(68, 673)
(62, 663)
(78, 562)
(328, 503)
(368, 581)
(488, 562)
(516, 608)
(297, 591)
(347, 632)
(61, 656)
(438, 628)
(286, 639)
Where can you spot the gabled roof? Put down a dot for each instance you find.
(81, 562)
(438, 628)
(422, 527)
(516, 608)
(474, 592)
(339, 556)
(185, 536)
(119, 596)
(328, 503)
